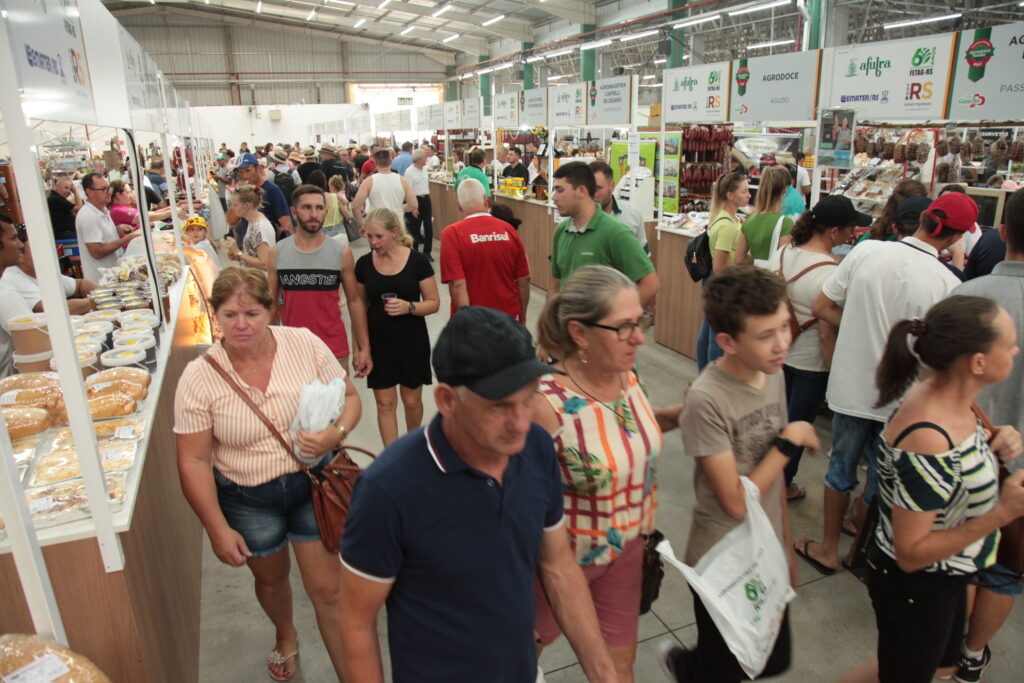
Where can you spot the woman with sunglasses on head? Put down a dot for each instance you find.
(608, 439)
(940, 506)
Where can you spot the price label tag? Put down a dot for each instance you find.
(100, 386)
(45, 669)
(125, 432)
(40, 505)
(8, 397)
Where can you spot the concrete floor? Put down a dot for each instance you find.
(832, 621)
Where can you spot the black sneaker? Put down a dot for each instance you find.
(970, 669)
(676, 661)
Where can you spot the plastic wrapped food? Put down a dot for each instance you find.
(923, 150)
(1017, 149)
(955, 144)
(49, 398)
(980, 146)
(62, 464)
(900, 154)
(121, 428)
(136, 375)
(23, 421)
(133, 390)
(1001, 148)
(24, 449)
(31, 658)
(942, 147)
(29, 380)
(54, 503)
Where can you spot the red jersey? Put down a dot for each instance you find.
(369, 168)
(487, 253)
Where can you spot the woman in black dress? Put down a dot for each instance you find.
(397, 283)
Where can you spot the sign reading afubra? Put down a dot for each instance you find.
(506, 110)
(569, 104)
(893, 80)
(776, 88)
(610, 101)
(696, 94)
(988, 81)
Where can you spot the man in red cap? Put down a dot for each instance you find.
(878, 284)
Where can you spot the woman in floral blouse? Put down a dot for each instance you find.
(608, 439)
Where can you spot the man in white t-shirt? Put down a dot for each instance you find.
(11, 305)
(877, 285)
(622, 211)
(803, 178)
(98, 241)
(22, 278)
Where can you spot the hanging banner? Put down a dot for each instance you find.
(471, 112)
(423, 118)
(506, 110)
(696, 94)
(405, 120)
(988, 73)
(49, 57)
(453, 115)
(533, 107)
(893, 80)
(437, 116)
(836, 129)
(776, 88)
(610, 101)
(569, 104)
(144, 110)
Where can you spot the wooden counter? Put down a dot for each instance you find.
(140, 624)
(680, 308)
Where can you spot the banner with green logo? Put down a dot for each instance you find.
(506, 110)
(696, 94)
(568, 104)
(610, 101)
(896, 80)
(988, 74)
(776, 88)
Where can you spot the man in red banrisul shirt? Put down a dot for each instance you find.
(482, 258)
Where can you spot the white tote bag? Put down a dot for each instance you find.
(776, 236)
(743, 581)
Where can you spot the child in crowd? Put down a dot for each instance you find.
(196, 235)
(734, 423)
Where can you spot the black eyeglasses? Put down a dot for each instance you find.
(99, 189)
(625, 330)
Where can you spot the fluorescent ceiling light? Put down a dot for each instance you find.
(407, 30)
(450, 38)
(650, 85)
(466, 75)
(493, 20)
(662, 60)
(359, 23)
(503, 65)
(649, 76)
(312, 13)
(629, 66)
(637, 36)
(698, 20)
(259, 6)
(383, 4)
(441, 11)
(535, 58)
(595, 44)
(555, 78)
(773, 43)
(559, 54)
(758, 8)
(926, 20)
(337, 2)
(481, 72)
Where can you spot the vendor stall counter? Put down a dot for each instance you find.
(680, 307)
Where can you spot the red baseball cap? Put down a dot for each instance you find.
(953, 210)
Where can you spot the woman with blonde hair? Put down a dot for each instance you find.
(768, 228)
(398, 287)
(246, 201)
(338, 211)
(608, 439)
(249, 493)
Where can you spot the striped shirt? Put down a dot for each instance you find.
(960, 484)
(244, 450)
(608, 468)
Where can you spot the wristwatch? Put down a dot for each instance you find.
(787, 447)
(412, 308)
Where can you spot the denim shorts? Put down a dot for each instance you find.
(852, 437)
(271, 514)
(999, 579)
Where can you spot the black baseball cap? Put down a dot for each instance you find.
(911, 208)
(488, 352)
(837, 211)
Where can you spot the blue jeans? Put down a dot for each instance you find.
(853, 437)
(708, 350)
(805, 392)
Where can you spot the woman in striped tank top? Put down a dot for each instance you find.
(608, 439)
(940, 508)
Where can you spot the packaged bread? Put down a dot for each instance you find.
(24, 421)
(129, 374)
(29, 380)
(53, 503)
(122, 428)
(118, 386)
(111, 405)
(62, 464)
(49, 398)
(23, 656)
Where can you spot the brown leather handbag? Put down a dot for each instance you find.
(1011, 536)
(331, 486)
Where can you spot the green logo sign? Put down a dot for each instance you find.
(714, 77)
(924, 56)
(685, 83)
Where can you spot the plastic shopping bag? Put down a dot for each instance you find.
(319, 405)
(743, 581)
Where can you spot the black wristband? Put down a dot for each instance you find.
(787, 447)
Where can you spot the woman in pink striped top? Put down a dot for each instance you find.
(245, 488)
(608, 439)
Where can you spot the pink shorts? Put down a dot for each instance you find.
(615, 589)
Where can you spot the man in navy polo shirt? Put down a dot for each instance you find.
(452, 522)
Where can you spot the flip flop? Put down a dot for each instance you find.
(802, 552)
(796, 494)
(849, 528)
(275, 658)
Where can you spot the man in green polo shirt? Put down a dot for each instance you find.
(475, 161)
(590, 236)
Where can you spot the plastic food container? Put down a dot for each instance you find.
(34, 362)
(109, 316)
(89, 346)
(99, 328)
(87, 361)
(119, 358)
(144, 342)
(29, 334)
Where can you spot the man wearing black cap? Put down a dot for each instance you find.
(452, 522)
(878, 284)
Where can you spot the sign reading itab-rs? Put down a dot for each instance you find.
(696, 94)
(989, 74)
(49, 56)
(776, 88)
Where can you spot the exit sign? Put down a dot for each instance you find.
(404, 101)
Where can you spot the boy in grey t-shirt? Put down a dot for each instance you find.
(734, 423)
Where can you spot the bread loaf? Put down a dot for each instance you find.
(25, 421)
(18, 650)
(136, 375)
(48, 398)
(108, 428)
(111, 405)
(29, 380)
(117, 386)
